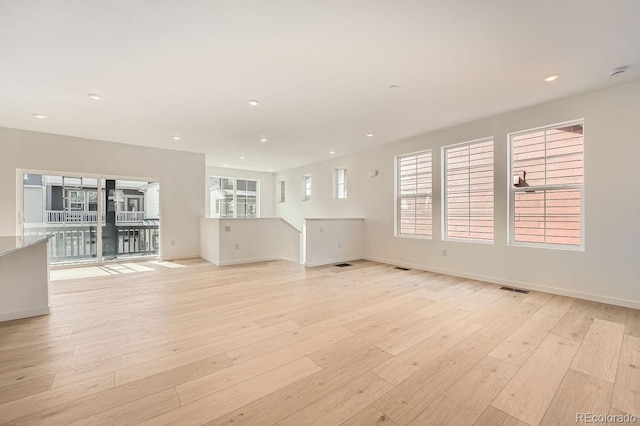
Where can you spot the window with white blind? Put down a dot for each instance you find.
(467, 191)
(413, 195)
(281, 185)
(546, 196)
(232, 198)
(341, 183)
(306, 188)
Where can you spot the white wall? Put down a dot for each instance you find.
(267, 197)
(609, 268)
(333, 240)
(246, 240)
(210, 240)
(181, 177)
(24, 282)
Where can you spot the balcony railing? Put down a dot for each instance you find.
(79, 243)
(64, 216)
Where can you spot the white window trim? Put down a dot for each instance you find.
(235, 197)
(443, 192)
(306, 197)
(396, 210)
(282, 188)
(511, 192)
(336, 173)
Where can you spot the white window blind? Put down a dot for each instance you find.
(282, 191)
(307, 187)
(341, 183)
(547, 166)
(468, 191)
(414, 200)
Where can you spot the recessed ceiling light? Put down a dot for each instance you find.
(369, 135)
(40, 116)
(175, 138)
(332, 152)
(254, 102)
(95, 97)
(226, 165)
(551, 77)
(242, 157)
(263, 139)
(270, 170)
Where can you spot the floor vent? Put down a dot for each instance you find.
(402, 269)
(342, 265)
(516, 290)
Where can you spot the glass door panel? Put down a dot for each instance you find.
(91, 223)
(132, 219)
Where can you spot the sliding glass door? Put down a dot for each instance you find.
(91, 220)
(131, 227)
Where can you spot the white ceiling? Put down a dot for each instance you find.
(320, 69)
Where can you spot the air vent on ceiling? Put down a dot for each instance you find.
(342, 265)
(516, 290)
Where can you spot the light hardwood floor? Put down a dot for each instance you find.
(275, 343)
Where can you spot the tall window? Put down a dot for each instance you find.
(546, 196)
(414, 198)
(231, 197)
(341, 183)
(282, 191)
(468, 191)
(306, 183)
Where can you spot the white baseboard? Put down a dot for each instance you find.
(183, 257)
(27, 313)
(208, 259)
(251, 260)
(634, 304)
(330, 261)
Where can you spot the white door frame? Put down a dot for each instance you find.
(99, 260)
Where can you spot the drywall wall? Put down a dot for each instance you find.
(246, 240)
(333, 240)
(210, 240)
(267, 196)
(24, 282)
(609, 268)
(181, 177)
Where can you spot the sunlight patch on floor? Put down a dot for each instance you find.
(168, 264)
(75, 273)
(98, 271)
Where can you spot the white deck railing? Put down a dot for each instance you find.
(63, 216)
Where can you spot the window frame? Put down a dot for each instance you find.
(337, 183)
(511, 191)
(398, 196)
(234, 181)
(281, 191)
(443, 202)
(307, 196)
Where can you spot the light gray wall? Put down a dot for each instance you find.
(181, 177)
(608, 269)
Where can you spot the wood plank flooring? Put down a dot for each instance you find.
(277, 344)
